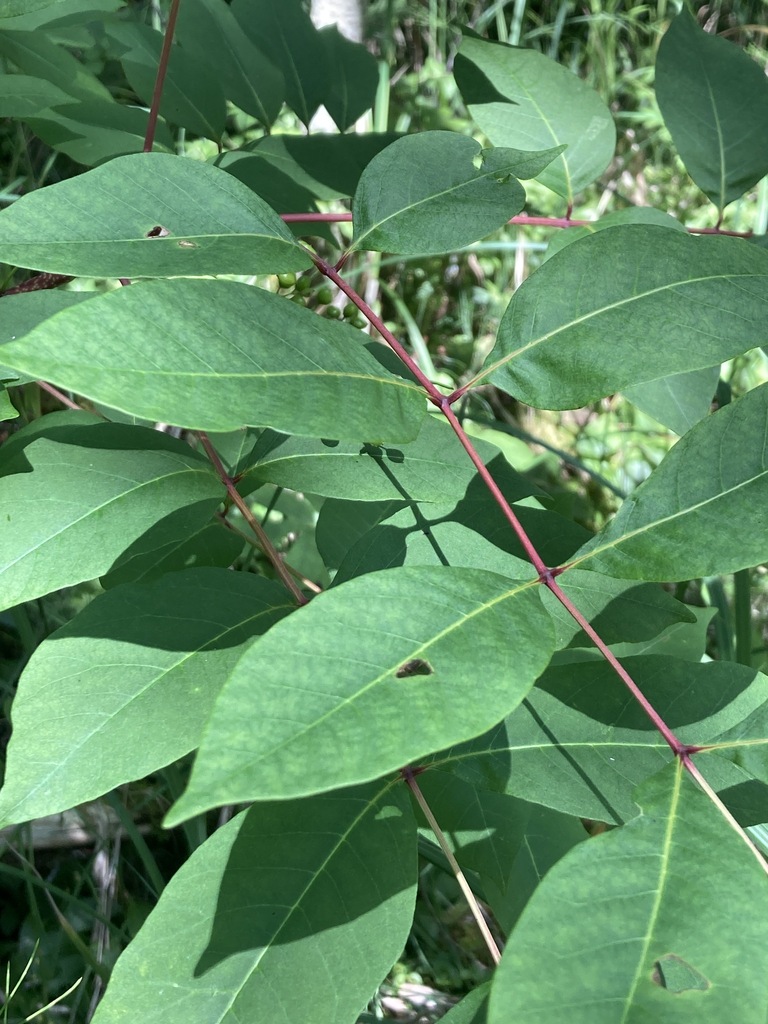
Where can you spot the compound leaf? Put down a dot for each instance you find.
(291, 912)
(405, 646)
(126, 686)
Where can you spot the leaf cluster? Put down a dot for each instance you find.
(425, 641)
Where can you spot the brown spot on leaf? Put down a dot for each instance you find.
(414, 667)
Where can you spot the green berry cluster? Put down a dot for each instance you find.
(305, 293)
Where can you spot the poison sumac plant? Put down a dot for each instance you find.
(516, 674)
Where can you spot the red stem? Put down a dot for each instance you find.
(681, 750)
(523, 218)
(162, 67)
(678, 748)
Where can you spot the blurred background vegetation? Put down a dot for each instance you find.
(75, 890)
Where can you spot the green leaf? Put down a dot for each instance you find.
(23, 312)
(472, 1009)
(354, 81)
(661, 920)
(702, 511)
(282, 193)
(23, 96)
(192, 94)
(625, 306)
(86, 494)
(679, 401)
(192, 353)
(714, 101)
(618, 610)
(632, 215)
(208, 30)
(93, 131)
(291, 912)
(508, 843)
(329, 166)
(34, 54)
(341, 523)
(442, 191)
(126, 686)
(286, 36)
(32, 14)
(171, 545)
(7, 409)
(472, 532)
(686, 640)
(580, 744)
(544, 105)
(100, 224)
(14, 8)
(433, 468)
(405, 646)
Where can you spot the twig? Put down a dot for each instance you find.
(474, 906)
(265, 543)
(162, 68)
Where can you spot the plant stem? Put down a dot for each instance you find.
(470, 897)
(694, 772)
(58, 395)
(162, 68)
(742, 613)
(265, 543)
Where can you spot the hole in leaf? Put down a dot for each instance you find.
(158, 231)
(414, 667)
(677, 975)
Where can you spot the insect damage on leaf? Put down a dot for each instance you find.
(414, 667)
(677, 975)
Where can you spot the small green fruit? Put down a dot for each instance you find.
(286, 280)
(324, 294)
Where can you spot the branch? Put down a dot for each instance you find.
(162, 67)
(265, 543)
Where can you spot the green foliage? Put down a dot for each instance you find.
(331, 571)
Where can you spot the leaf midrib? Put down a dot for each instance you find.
(586, 317)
